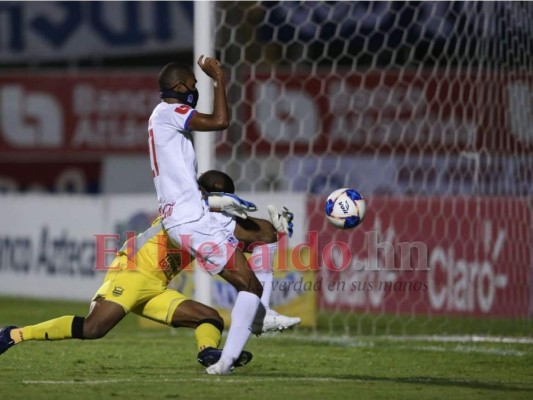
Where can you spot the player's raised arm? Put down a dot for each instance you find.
(219, 119)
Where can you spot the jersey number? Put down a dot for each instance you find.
(155, 166)
(183, 109)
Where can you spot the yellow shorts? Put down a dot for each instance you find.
(135, 292)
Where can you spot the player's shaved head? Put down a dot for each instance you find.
(173, 73)
(216, 181)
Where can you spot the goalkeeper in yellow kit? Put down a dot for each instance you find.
(137, 281)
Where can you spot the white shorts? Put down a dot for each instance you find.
(227, 220)
(208, 240)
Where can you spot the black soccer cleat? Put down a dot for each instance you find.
(243, 359)
(210, 356)
(5, 338)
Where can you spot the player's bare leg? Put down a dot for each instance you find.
(190, 314)
(208, 326)
(261, 238)
(255, 230)
(247, 306)
(103, 316)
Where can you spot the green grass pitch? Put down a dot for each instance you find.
(146, 363)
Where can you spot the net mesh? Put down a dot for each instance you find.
(423, 107)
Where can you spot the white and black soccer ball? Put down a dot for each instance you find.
(345, 208)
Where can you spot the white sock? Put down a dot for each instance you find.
(262, 260)
(242, 316)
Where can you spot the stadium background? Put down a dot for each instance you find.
(425, 108)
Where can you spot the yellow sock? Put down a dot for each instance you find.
(207, 335)
(54, 329)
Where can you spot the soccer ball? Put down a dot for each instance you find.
(345, 208)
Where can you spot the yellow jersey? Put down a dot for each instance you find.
(152, 253)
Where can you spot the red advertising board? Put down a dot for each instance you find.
(429, 255)
(95, 113)
(430, 112)
(389, 111)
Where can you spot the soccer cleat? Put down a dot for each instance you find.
(277, 322)
(210, 356)
(5, 338)
(219, 368)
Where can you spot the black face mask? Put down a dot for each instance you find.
(190, 97)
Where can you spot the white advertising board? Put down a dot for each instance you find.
(48, 245)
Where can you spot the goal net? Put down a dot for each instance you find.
(426, 109)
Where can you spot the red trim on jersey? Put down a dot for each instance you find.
(182, 109)
(152, 147)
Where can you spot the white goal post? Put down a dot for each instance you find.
(204, 44)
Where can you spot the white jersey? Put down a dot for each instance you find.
(174, 165)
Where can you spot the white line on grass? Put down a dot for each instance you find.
(464, 338)
(236, 379)
(369, 342)
(76, 382)
(468, 349)
(240, 379)
(365, 340)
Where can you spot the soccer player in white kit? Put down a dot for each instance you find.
(185, 215)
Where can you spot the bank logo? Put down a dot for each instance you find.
(30, 118)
